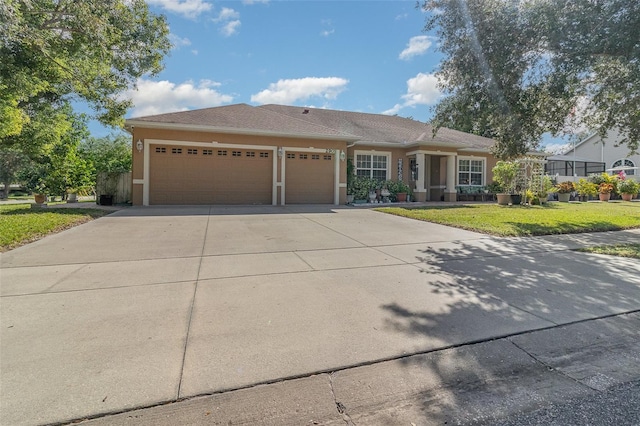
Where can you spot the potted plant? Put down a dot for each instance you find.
(361, 186)
(628, 188)
(564, 190)
(546, 186)
(505, 173)
(586, 189)
(604, 191)
(399, 190)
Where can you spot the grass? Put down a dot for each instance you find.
(625, 250)
(19, 224)
(507, 221)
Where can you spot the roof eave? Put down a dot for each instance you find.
(129, 124)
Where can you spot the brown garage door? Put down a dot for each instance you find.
(196, 175)
(309, 178)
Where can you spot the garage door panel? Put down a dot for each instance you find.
(309, 178)
(192, 177)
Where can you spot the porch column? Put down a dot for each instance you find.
(420, 192)
(450, 190)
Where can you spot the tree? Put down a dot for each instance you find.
(53, 50)
(110, 154)
(11, 161)
(514, 70)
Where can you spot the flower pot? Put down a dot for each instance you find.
(627, 197)
(516, 199)
(350, 198)
(39, 198)
(504, 199)
(401, 197)
(604, 196)
(72, 197)
(564, 197)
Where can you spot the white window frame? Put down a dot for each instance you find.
(484, 170)
(370, 153)
(623, 164)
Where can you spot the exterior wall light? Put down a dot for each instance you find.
(342, 155)
(280, 152)
(139, 145)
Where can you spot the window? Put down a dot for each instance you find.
(161, 149)
(372, 165)
(222, 152)
(250, 154)
(625, 165)
(207, 152)
(176, 150)
(303, 156)
(327, 157)
(236, 154)
(290, 155)
(470, 172)
(315, 156)
(264, 155)
(192, 151)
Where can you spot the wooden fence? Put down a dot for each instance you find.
(116, 184)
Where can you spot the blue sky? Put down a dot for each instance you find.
(361, 56)
(367, 56)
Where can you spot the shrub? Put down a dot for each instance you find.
(586, 188)
(628, 186)
(505, 173)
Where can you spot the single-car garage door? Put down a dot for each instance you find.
(196, 175)
(309, 178)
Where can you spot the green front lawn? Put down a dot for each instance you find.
(19, 224)
(624, 250)
(554, 218)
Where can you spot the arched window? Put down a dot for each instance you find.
(623, 165)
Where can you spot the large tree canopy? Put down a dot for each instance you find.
(516, 69)
(55, 50)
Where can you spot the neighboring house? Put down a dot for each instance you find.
(275, 154)
(615, 158)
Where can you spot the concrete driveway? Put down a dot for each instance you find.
(152, 305)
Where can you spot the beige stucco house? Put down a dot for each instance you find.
(276, 154)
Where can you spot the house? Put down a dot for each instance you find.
(615, 158)
(277, 154)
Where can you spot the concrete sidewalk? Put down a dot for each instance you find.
(154, 305)
(480, 383)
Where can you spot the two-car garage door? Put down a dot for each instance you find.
(196, 175)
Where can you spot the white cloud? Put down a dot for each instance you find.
(227, 14)
(328, 24)
(556, 148)
(157, 97)
(402, 16)
(230, 28)
(417, 45)
(230, 21)
(187, 8)
(249, 2)
(178, 41)
(421, 90)
(292, 90)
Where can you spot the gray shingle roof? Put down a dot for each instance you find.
(363, 128)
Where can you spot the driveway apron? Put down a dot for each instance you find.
(150, 305)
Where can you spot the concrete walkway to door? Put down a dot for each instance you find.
(151, 305)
